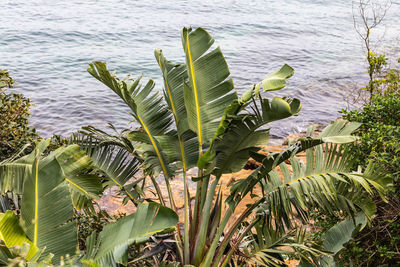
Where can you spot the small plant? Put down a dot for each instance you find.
(5, 80)
(383, 80)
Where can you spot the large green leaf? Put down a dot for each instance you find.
(46, 208)
(84, 188)
(12, 234)
(149, 219)
(147, 107)
(244, 133)
(276, 80)
(174, 76)
(340, 234)
(13, 171)
(185, 144)
(209, 90)
(74, 163)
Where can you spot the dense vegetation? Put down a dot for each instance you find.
(201, 123)
(15, 131)
(379, 142)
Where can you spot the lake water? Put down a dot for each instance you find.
(46, 46)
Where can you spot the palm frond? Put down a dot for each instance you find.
(339, 131)
(90, 136)
(271, 247)
(184, 146)
(324, 183)
(147, 108)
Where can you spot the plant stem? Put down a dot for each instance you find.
(198, 205)
(186, 220)
(231, 231)
(158, 190)
(211, 251)
(178, 238)
(170, 196)
(204, 190)
(200, 241)
(234, 247)
(193, 225)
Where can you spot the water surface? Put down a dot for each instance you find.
(46, 46)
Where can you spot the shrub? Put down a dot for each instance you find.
(14, 114)
(380, 133)
(379, 142)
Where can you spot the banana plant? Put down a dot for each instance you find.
(200, 122)
(46, 205)
(51, 185)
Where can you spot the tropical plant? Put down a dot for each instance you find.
(50, 187)
(200, 122)
(46, 206)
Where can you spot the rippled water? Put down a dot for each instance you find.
(46, 46)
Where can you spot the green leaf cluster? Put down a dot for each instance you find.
(379, 133)
(15, 131)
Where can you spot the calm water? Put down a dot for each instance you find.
(46, 46)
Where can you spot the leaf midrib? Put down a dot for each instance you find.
(196, 97)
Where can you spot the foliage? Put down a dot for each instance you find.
(5, 79)
(92, 222)
(112, 244)
(384, 80)
(267, 246)
(14, 114)
(50, 184)
(369, 16)
(46, 206)
(341, 233)
(378, 244)
(201, 122)
(379, 142)
(379, 133)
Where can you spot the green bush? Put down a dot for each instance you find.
(379, 142)
(14, 114)
(379, 134)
